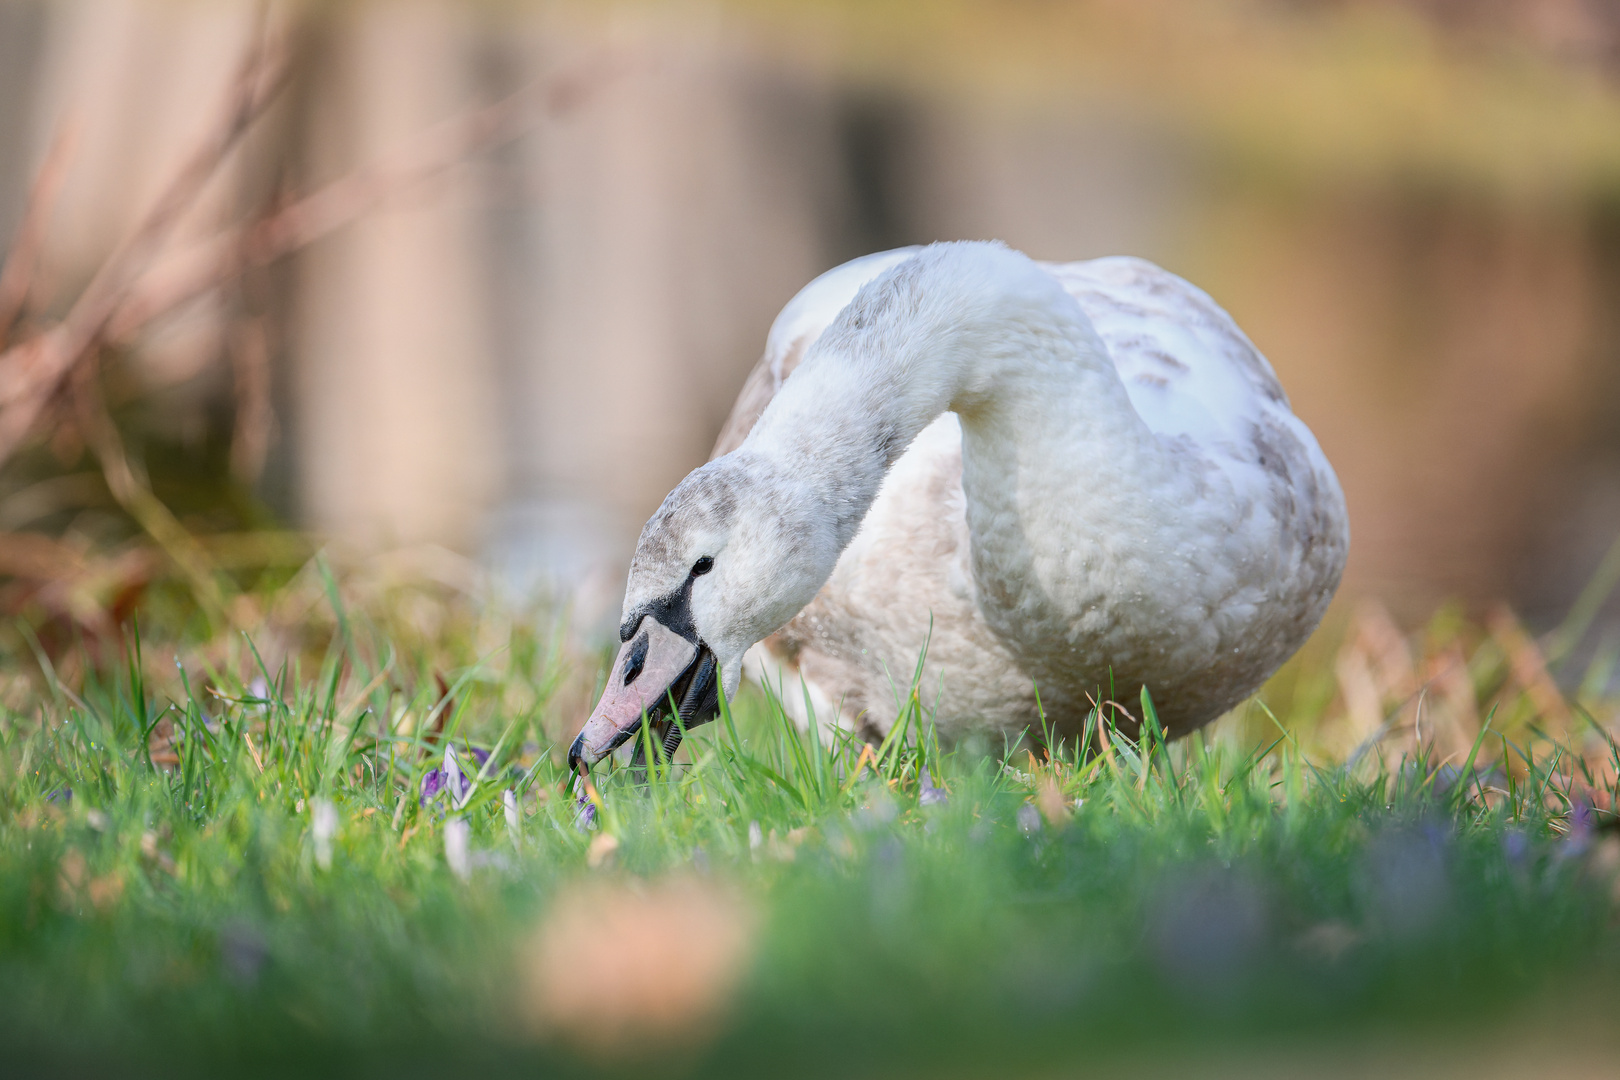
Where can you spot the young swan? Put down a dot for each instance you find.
(1182, 532)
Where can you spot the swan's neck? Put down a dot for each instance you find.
(972, 328)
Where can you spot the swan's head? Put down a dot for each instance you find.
(734, 552)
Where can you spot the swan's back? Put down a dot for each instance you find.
(1188, 369)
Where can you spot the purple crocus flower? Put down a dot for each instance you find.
(1515, 846)
(432, 783)
(584, 813)
(927, 793)
(1579, 836)
(1581, 819)
(454, 781)
(449, 779)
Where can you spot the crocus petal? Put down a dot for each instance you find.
(458, 785)
(1581, 819)
(457, 847)
(323, 827)
(585, 813)
(514, 820)
(432, 784)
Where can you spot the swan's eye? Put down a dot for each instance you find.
(702, 566)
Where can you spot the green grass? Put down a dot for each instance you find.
(1213, 897)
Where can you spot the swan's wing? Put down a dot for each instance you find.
(1187, 367)
(793, 332)
(1199, 383)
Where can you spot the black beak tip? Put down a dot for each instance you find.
(575, 752)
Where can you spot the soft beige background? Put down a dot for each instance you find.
(1413, 208)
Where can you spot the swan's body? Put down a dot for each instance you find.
(1080, 478)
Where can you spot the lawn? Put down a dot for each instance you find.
(331, 834)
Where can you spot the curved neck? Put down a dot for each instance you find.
(970, 327)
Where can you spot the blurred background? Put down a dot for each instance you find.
(481, 280)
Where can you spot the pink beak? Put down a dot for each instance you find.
(646, 668)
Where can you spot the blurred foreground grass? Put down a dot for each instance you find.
(216, 857)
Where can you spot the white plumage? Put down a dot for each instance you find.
(1199, 386)
(1071, 480)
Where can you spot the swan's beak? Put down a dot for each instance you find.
(655, 667)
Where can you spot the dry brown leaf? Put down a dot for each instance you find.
(604, 846)
(71, 871)
(625, 968)
(1387, 647)
(105, 891)
(1529, 668)
(153, 853)
(1049, 799)
(1450, 720)
(1377, 677)
(1363, 704)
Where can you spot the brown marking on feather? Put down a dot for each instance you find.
(1245, 356)
(1159, 356)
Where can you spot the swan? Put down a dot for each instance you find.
(1066, 481)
